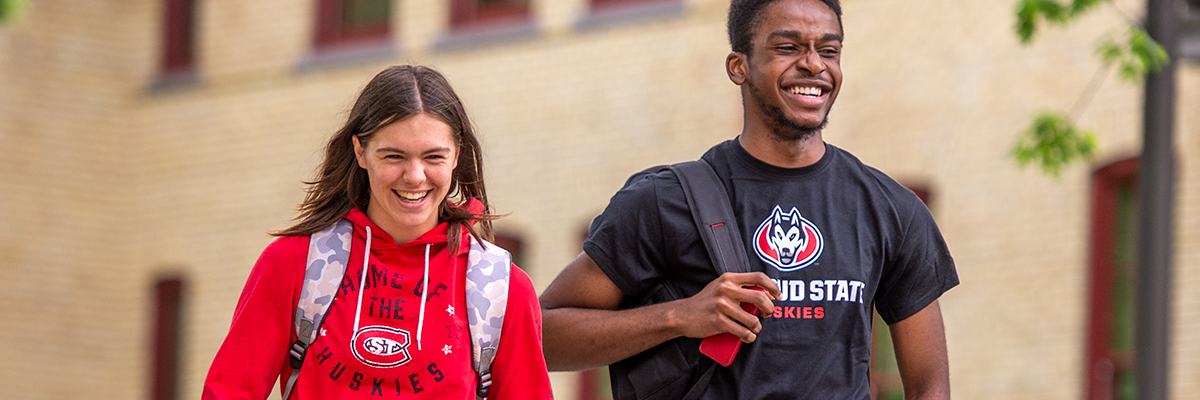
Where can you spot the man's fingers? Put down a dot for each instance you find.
(737, 329)
(764, 304)
(758, 279)
(741, 317)
(758, 298)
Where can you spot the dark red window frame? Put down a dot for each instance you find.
(474, 14)
(594, 384)
(168, 299)
(1106, 182)
(178, 51)
(332, 30)
(887, 384)
(515, 247)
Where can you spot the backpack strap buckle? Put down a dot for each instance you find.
(296, 355)
(485, 383)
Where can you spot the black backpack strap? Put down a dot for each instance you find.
(713, 213)
(702, 383)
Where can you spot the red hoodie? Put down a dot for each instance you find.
(437, 363)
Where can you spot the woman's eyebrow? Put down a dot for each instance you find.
(397, 150)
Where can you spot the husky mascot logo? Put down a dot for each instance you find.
(788, 241)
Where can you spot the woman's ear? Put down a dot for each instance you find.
(358, 151)
(735, 67)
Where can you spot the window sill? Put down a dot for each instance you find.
(348, 54)
(631, 13)
(486, 35)
(1189, 37)
(173, 81)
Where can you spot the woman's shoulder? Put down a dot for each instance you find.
(285, 255)
(286, 247)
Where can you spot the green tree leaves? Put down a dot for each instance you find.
(1134, 55)
(9, 9)
(1029, 12)
(1052, 142)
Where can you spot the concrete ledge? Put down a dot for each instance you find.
(627, 14)
(486, 35)
(347, 55)
(173, 82)
(1189, 37)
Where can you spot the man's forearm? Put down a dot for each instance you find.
(582, 338)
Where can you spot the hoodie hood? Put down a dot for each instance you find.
(439, 233)
(412, 257)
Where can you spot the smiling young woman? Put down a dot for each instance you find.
(405, 170)
(409, 164)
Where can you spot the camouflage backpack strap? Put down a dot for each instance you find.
(488, 269)
(328, 254)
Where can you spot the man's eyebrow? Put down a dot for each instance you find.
(796, 35)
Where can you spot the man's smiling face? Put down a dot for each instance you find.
(793, 73)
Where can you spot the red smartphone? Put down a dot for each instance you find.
(723, 347)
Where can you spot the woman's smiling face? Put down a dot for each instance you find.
(410, 164)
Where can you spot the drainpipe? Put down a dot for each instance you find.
(1157, 195)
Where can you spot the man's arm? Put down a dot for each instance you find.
(582, 328)
(920, 344)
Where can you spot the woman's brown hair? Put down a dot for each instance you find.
(394, 94)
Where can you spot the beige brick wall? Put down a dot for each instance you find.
(1185, 351)
(70, 324)
(108, 184)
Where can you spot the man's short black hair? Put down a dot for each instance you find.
(745, 17)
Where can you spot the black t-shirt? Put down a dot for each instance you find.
(837, 237)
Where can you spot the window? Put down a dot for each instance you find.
(168, 296)
(1189, 32)
(594, 385)
(885, 372)
(476, 14)
(178, 37)
(512, 243)
(1110, 357)
(349, 22)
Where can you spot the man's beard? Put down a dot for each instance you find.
(784, 129)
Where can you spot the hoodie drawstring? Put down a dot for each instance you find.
(424, 292)
(363, 282)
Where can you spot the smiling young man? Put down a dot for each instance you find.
(831, 238)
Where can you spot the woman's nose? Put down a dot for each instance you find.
(414, 173)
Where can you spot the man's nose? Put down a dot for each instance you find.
(811, 62)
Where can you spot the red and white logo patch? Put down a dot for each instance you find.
(381, 346)
(787, 240)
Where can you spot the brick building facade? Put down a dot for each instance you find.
(124, 166)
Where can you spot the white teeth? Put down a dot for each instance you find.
(411, 196)
(807, 91)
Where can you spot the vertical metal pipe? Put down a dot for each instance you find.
(1157, 211)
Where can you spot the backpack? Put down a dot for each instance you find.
(488, 270)
(675, 369)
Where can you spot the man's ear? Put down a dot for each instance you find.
(735, 66)
(358, 152)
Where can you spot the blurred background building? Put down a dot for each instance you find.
(147, 146)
